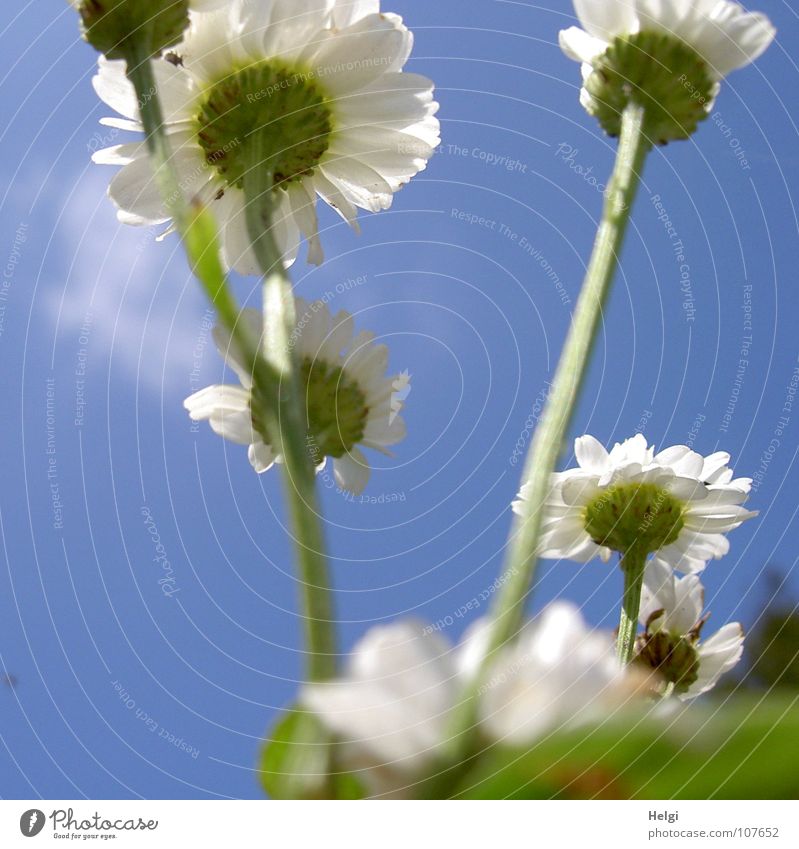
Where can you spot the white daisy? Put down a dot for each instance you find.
(672, 645)
(668, 54)
(558, 674)
(348, 397)
(675, 504)
(319, 81)
(394, 705)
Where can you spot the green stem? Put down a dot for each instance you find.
(273, 374)
(518, 580)
(291, 432)
(633, 564)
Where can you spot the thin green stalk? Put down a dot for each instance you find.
(518, 580)
(633, 564)
(274, 377)
(292, 429)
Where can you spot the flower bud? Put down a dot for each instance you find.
(673, 657)
(112, 26)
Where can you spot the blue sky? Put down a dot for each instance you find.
(124, 691)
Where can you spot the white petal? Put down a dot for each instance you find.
(577, 44)
(352, 471)
(605, 19)
(335, 198)
(227, 410)
(714, 465)
(359, 55)
(732, 38)
(591, 454)
(395, 698)
(717, 655)
(261, 457)
(303, 206)
(347, 12)
(237, 251)
(136, 192)
(359, 183)
(295, 29)
(578, 491)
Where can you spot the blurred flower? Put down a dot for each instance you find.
(676, 504)
(672, 645)
(347, 394)
(558, 674)
(317, 83)
(392, 708)
(668, 56)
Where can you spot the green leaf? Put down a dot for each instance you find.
(299, 761)
(742, 748)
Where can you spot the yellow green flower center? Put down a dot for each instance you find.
(641, 516)
(659, 72)
(284, 105)
(335, 406)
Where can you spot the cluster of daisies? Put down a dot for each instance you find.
(394, 706)
(322, 84)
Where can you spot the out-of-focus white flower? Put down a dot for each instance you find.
(348, 397)
(558, 674)
(672, 645)
(318, 84)
(668, 55)
(676, 504)
(393, 706)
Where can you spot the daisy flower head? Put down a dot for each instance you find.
(112, 26)
(676, 504)
(672, 644)
(311, 91)
(349, 399)
(558, 674)
(394, 705)
(669, 56)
